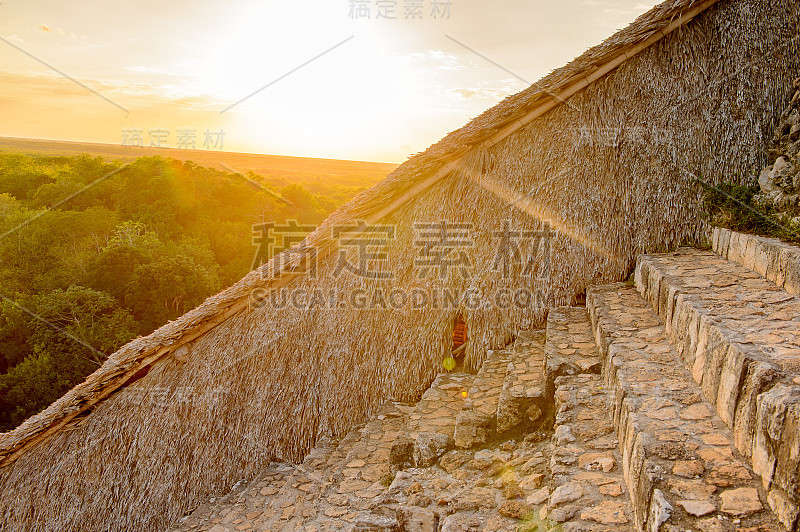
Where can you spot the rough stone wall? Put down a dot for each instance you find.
(780, 181)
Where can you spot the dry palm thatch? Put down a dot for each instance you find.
(687, 91)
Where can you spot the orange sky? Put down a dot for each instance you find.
(389, 89)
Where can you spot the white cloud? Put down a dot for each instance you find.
(439, 60)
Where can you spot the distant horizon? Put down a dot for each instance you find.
(189, 150)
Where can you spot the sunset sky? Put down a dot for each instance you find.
(386, 88)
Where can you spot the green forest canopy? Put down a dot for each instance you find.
(94, 253)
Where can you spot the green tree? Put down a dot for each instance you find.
(179, 278)
(72, 334)
(14, 335)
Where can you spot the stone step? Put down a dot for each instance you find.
(297, 500)
(242, 505)
(278, 491)
(476, 423)
(777, 261)
(587, 490)
(339, 485)
(444, 489)
(739, 334)
(432, 424)
(570, 347)
(396, 438)
(524, 397)
(365, 474)
(678, 457)
(437, 410)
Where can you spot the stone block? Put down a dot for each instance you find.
(773, 407)
(659, 512)
(735, 249)
(472, 428)
(791, 281)
(716, 352)
(787, 469)
(750, 244)
(672, 302)
(784, 256)
(696, 361)
(683, 323)
(759, 378)
(639, 279)
(429, 446)
(784, 509)
(367, 522)
(663, 297)
(762, 258)
(692, 336)
(401, 453)
(773, 264)
(510, 411)
(724, 242)
(735, 363)
(415, 519)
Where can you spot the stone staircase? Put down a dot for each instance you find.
(678, 457)
(671, 403)
(477, 420)
(525, 395)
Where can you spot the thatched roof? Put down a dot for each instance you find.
(124, 450)
(406, 182)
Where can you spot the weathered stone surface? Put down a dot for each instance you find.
(507, 478)
(560, 515)
(785, 509)
(532, 482)
(475, 499)
(569, 492)
(613, 489)
(534, 413)
(440, 405)
(454, 460)
(697, 508)
(514, 509)
(660, 511)
(413, 519)
(419, 499)
(748, 334)
(401, 454)
(740, 501)
(538, 497)
(607, 513)
(429, 446)
(473, 428)
(461, 523)
(563, 435)
(368, 522)
(776, 446)
(358, 483)
(585, 451)
(596, 462)
(335, 511)
(688, 468)
(402, 480)
(691, 489)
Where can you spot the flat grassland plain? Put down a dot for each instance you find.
(299, 170)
